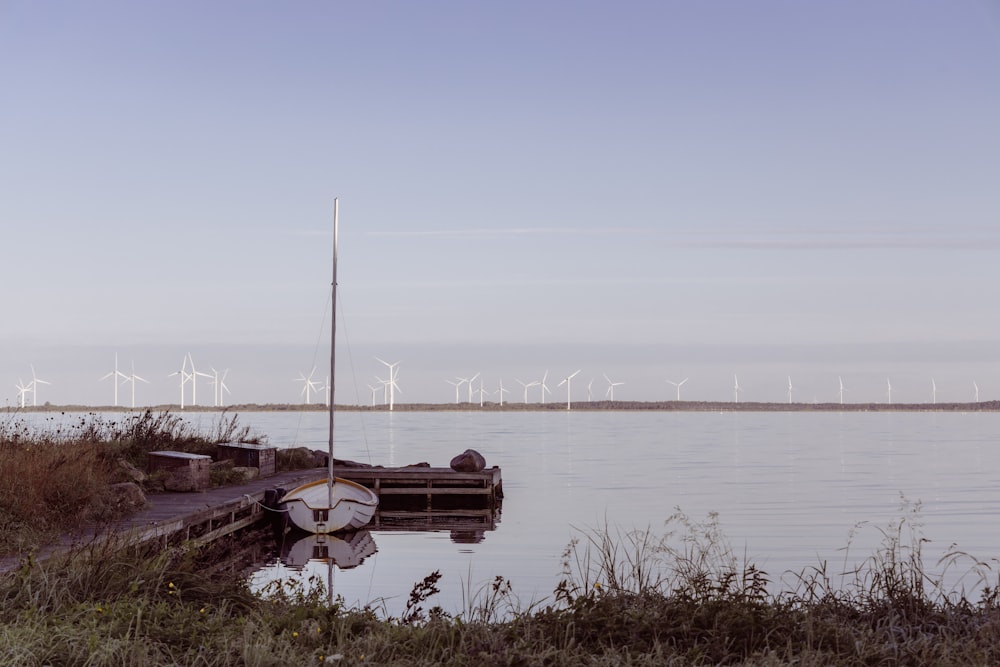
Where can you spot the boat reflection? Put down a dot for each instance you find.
(345, 550)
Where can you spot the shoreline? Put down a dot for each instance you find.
(580, 406)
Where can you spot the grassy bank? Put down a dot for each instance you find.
(634, 598)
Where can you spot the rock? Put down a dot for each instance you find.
(127, 495)
(468, 461)
(131, 472)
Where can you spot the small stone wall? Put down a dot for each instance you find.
(184, 472)
(247, 455)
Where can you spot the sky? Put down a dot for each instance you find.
(765, 193)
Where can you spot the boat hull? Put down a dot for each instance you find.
(309, 508)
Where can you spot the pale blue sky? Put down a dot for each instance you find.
(651, 190)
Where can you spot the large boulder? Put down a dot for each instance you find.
(468, 461)
(127, 496)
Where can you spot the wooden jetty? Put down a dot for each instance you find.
(411, 498)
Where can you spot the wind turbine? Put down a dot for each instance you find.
(470, 381)
(132, 378)
(526, 387)
(482, 391)
(611, 387)
(116, 374)
(374, 389)
(841, 380)
(888, 390)
(568, 381)
(736, 389)
(194, 380)
(308, 384)
(590, 393)
(456, 383)
(390, 384)
(976, 387)
(185, 376)
(500, 392)
(933, 391)
(22, 390)
(35, 381)
(678, 385)
(789, 389)
(218, 387)
(545, 387)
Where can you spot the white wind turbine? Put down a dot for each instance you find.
(500, 392)
(219, 387)
(185, 376)
(678, 385)
(611, 387)
(736, 389)
(456, 383)
(790, 389)
(888, 391)
(526, 386)
(35, 381)
(976, 388)
(116, 374)
(22, 390)
(390, 384)
(590, 390)
(482, 392)
(308, 384)
(545, 387)
(132, 378)
(841, 380)
(470, 381)
(568, 381)
(933, 391)
(327, 388)
(374, 389)
(194, 380)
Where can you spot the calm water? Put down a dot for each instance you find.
(788, 487)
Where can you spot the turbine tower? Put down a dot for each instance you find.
(736, 389)
(470, 381)
(132, 378)
(545, 387)
(194, 380)
(456, 383)
(568, 381)
(888, 390)
(374, 389)
(185, 376)
(35, 381)
(790, 389)
(219, 387)
(678, 385)
(526, 387)
(501, 391)
(390, 384)
(976, 388)
(841, 380)
(22, 390)
(611, 387)
(116, 374)
(933, 391)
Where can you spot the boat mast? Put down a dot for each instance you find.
(333, 341)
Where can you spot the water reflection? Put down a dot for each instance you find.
(346, 551)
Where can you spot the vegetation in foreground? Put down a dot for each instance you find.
(638, 598)
(634, 598)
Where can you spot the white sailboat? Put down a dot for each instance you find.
(333, 504)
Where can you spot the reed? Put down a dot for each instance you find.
(56, 475)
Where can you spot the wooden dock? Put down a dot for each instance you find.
(411, 498)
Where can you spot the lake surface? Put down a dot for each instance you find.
(790, 489)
